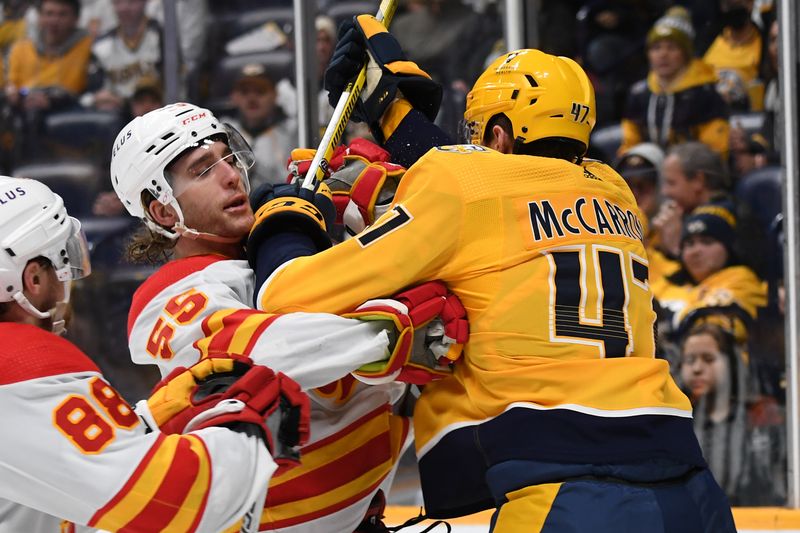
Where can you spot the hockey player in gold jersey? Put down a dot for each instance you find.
(559, 414)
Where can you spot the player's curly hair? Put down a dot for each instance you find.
(147, 246)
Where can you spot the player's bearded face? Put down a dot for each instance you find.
(209, 187)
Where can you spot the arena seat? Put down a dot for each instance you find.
(82, 134)
(236, 24)
(77, 182)
(762, 191)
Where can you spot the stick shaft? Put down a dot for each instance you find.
(341, 113)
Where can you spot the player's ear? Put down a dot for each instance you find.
(501, 140)
(164, 215)
(34, 277)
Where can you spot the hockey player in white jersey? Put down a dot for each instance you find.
(74, 448)
(185, 175)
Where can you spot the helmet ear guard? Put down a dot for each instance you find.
(34, 223)
(544, 96)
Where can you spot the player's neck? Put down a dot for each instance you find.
(186, 247)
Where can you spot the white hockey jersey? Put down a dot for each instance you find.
(76, 450)
(201, 305)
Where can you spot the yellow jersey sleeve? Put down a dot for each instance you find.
(400, 249)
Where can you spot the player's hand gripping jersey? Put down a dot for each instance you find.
(198, 306)
(103, 469)
(555, 286)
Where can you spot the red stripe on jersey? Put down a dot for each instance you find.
(163, 278)
(257, 333)
(356, 462)
(345, 430)
(128, 484)
(30, 352)
(221, 340)
(175, 486)
(338, 506)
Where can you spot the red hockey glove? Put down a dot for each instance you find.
(231, 391)
(362, 183)
(431, 326)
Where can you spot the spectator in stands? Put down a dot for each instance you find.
(97, 17)
(12, 27)
(740, 431)
(677, 102)
(692, 175)
(263, 123)
(287, 94)
(711, 276)
(51, 70)
(450, 42)
(772, 103)
(147, 96)
(748, 153)
(713, 375)
(641, 168)
(124, 55)
(610, 36)
(48, 72)
(192, 21)
(735, 54)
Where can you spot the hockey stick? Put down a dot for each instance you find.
(341, 113)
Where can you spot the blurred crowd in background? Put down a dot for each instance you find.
(687, 101)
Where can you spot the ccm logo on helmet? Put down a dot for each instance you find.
(193, 118)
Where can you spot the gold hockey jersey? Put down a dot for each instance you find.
(547, 258)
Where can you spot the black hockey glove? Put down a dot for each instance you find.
(290, 208)
(365, 39)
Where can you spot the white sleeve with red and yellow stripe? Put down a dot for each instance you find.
(201, 305)
(73, 448)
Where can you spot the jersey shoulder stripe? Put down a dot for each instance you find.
(30, 352)
(168, 490)
(163, 278)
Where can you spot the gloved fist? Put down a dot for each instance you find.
(285, 208)
(362, 183)
(365, 40)
(231, 391)
(431, 328)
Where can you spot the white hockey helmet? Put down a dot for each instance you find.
(34, 223)
(148, 144)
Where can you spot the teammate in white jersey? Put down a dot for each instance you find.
(185, 174)
(77, 450)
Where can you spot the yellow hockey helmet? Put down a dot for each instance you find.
(543, 95)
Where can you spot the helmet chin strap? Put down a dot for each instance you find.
(55, 314)
(193, 234)
(180, 229)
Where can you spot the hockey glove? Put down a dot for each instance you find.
(389, 73)
(363, 183)
(431, 327)
(235, 393)
(290, 208)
